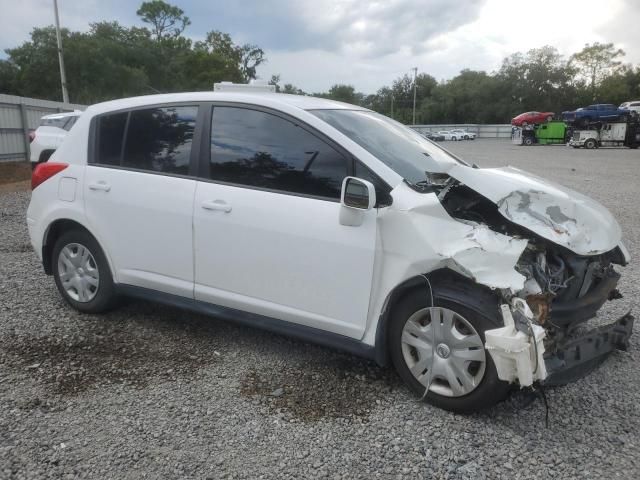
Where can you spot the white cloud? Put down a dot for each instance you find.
(501, 28)
(315, 44)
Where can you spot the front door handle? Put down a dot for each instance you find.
(216, 205)
(103, 186)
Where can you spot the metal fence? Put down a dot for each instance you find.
(20, 115)
(483, 131)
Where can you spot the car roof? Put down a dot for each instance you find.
(265, 99)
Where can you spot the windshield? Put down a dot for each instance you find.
(402, 149)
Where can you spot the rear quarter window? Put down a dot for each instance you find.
(110, 134)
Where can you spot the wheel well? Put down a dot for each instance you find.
(52, 234)
(399, 292)
(45, 155)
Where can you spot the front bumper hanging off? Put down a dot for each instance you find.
(577, 356)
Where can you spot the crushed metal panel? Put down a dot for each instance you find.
(552, 211)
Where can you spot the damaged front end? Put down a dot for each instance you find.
(567, 271)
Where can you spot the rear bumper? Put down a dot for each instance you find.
(576, 357)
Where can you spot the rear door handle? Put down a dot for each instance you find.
(102, 186)
(216, 205)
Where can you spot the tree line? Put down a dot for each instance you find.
(113, 61)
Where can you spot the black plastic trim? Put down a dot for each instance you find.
(577, 357)
(586, 307)
(300, 332)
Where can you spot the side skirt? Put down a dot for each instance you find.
(281, 327)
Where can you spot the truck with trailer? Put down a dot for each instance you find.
(608, 134)
(548, 133)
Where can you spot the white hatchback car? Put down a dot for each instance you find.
(336, 225)
(50, 134)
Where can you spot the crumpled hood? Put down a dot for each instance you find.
(552, 211)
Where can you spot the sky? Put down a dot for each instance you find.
(366, 43)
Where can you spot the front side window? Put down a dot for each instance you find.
(259, 149)
(159, 139)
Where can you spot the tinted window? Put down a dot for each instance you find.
(71, 121)
(382, 194)
(159, 139)
(110, 133)
(263, 150)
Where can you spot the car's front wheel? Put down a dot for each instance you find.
(81, 272)
(441, 347)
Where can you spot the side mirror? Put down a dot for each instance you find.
(357, 197)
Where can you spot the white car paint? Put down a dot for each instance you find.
(633, 106)
(450, 135)
(289, 257)
(554, 212)
(50, 134)
(464, 134)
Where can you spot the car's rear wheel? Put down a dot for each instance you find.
(81, 272)
(442, 346)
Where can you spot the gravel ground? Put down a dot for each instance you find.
(153, 392)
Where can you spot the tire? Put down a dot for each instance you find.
(466, 137)
(590, 144)
(479, 308)
(90, 287)
(528, 141)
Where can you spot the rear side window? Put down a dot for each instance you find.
(159, 139)
(259, 149)
(110, 133)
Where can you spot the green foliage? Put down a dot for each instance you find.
(247, 57)
(167, 21)
(596, 62)
(113, 61)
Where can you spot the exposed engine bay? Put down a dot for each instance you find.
(562, 289)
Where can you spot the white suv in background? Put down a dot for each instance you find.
(633, 107)
(50, 134)
(333, 224)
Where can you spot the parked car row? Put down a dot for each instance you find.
(452, 135)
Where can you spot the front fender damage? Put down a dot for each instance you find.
(557, 260)
(434, 241)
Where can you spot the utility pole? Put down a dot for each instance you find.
(63, 77)
(415, 77)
